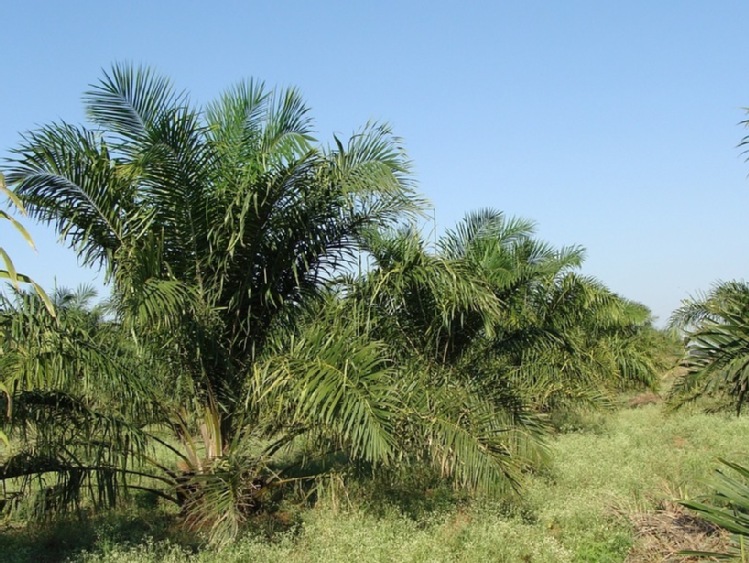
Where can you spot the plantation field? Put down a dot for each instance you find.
(290, 367)
(240, 341)
(606, 496)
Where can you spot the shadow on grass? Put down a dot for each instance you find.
(414, 492)
(66, 538)
(63, 539)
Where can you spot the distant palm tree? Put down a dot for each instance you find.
(560, 338)
(428, 311)
(76, 403)
(504, 319)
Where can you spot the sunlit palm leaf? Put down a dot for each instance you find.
(334, 381)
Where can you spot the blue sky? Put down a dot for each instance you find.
(613, 125)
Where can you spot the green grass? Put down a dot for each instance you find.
(633, 464)
(579, 509)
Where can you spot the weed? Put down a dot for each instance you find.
(607, 497)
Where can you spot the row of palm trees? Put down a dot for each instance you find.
(245, 343)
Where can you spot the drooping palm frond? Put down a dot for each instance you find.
(77, 399)
(66, 176)
(8, 270)
(336, 381)
(366, 399)
(477, 435)
(71, 352)
(57, 424)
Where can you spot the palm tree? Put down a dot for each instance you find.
(224, 233)
(214, 227)
(716, 328)
(426, 310)
(76, 402)
(560, 338)
(498, 326)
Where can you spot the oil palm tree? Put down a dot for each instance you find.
(561, 338)
(75, 401)
(223, 232)
(716, 328)
(502, 322)
(213, 226)
(427, 310)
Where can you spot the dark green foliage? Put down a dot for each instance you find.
(716, 328)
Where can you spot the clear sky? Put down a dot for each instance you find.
(612, 124)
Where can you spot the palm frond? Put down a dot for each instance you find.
(129, 101)
(66, 177)
(340, 384)
(717, 345)
(8, 271)
(728, 508)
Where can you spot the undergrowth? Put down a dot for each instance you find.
(610, 486)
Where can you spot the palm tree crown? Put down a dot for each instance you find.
(229, 217)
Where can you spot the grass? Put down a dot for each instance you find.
(604, 479)
(607, 497)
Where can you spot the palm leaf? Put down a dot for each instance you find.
(729, 507)
(129, 101)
